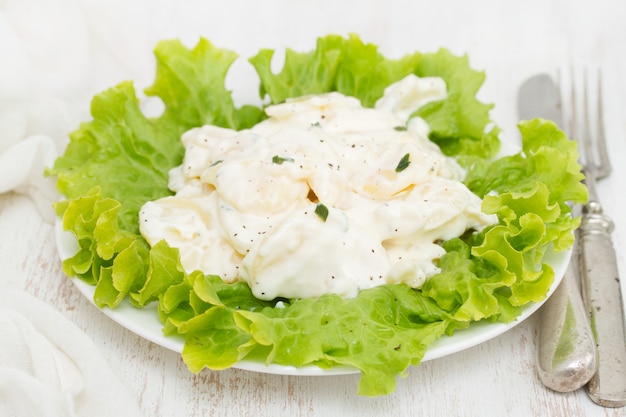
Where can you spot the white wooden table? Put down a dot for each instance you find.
(510, 41)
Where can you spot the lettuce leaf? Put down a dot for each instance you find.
(345, 65)
(121, 149)
(458, 123)
(120, 160)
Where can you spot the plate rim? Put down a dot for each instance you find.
(134, 320)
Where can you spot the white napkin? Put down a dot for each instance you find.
(50, 368)
(39, 83)
(21, 170)
(56, 55)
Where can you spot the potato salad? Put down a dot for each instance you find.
(323, 196)
(273, 234)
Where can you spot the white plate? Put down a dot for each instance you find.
(145, 322)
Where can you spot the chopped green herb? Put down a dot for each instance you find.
(404, 163)
(219, 161)
(279, 159)
(400, 128)
(316, 124)
(321, 211)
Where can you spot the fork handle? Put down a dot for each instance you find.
(602, 294)
(566, 349)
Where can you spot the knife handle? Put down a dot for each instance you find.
(602, 294)
(566, 349)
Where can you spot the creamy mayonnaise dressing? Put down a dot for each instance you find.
(324, 196)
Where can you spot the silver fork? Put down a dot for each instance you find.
(598, 266)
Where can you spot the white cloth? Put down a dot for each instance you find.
(56, 55)
(50, 368)
(39, 80)
(21, 170)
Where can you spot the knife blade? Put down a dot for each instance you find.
(566, 350)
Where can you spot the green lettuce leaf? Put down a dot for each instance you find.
(458, 123)
(120, 160)
(121, 148)
(345, 65)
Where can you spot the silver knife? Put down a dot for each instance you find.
(566, 349)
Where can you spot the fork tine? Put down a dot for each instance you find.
(573, 128)
(603, 168)
(594, 153)
(585, 137)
